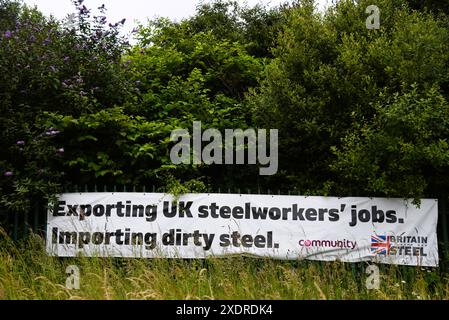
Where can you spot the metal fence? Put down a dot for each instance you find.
(20, 225)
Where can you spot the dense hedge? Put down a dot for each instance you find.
(358, 111)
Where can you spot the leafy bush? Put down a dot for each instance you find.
(329, 77)
(46, 65)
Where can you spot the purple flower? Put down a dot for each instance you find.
(20, 143)
(66, 59)
(83, 10)
(7, 34)
(123, 21)
(8, 174)
(47, 41)
(53, 69)
(52, 132)
(32, 38)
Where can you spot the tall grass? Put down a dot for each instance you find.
(27, 272)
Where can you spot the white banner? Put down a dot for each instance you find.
(282, 227)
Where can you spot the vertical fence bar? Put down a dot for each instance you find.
(25, 225)
(444, 227)
(36, 219)
(45, 220)
(15, 227)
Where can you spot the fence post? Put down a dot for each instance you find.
(25, 225)
(16, 226)
(36, 218)
(444, 228)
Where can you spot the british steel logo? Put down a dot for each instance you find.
(398, 245)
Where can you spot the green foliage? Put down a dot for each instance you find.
(403, 151)
(172, 53)
(357, 109)
(113, 147)
(328, 76)
(436, 6)
(184, 77)
(255, 27)
(47, 66)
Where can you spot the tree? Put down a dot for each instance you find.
(328, 76)
(48, 66)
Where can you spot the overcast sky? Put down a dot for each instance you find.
(136, 10)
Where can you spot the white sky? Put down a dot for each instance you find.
(137, 10)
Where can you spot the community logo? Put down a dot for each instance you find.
(398, 245)
(342, 244)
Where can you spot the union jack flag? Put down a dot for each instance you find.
(380, 245)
